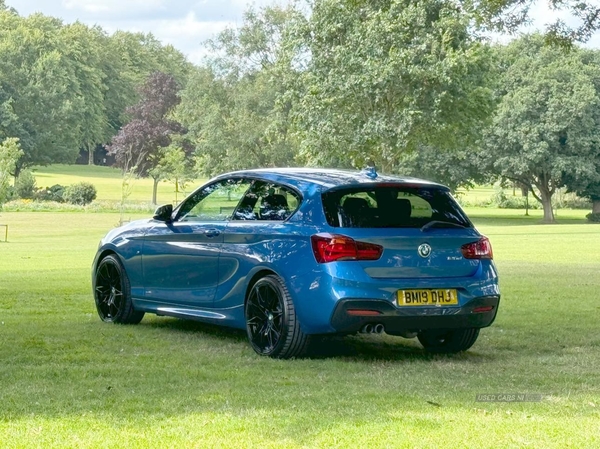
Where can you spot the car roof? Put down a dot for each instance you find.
(329, 178)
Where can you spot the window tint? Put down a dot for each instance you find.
(267, 201)
(215, 202)
(391, 207)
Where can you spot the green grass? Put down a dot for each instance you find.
(69, 380)
(107, 181)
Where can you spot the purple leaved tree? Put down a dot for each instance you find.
(137, 145)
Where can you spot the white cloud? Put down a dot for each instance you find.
(187, 23)
(189, 27)
(102, 6)
(188, 34)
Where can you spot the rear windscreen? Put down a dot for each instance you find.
(391, 207)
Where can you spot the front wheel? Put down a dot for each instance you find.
(271, 322)
(448, 342)
(112, 293)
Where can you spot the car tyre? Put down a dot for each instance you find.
(112, 293)
(448, 342)
(272, 325)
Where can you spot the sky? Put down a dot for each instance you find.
(184, 23)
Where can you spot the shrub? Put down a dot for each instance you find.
(9, 194)
(54, 193)
(25, 185)
(81, 193)
(504, 201)
(593, 217)
(564, 200)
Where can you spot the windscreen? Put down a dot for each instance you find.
(394, 206)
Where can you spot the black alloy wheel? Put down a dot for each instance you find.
(112, 293)
(271, 322)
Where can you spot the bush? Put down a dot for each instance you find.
(25, 185)
(54, 193)
(81, 193)
(9, 194)
(504, 201)
(593, 217)
(96, 206)
(569, 200)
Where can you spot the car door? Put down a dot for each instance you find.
(258, 235)
(180, 259)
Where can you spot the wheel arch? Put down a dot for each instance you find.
(103, 254)
(99, 258)
(255, 278)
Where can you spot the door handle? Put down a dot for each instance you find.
(212, 233)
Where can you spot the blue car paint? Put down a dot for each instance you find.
(175, 269)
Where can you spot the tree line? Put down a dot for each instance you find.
(409, 86)
(65, 87)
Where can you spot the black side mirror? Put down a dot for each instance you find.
(163, 213)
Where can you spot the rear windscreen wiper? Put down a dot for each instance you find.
(441, 224)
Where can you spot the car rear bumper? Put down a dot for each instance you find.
(351, 315)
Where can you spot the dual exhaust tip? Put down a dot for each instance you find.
(372, 329)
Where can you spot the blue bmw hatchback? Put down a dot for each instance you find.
(289, 253)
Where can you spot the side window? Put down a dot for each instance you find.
(267, 202)
(215, 202)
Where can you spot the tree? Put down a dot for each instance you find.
(175, 165)
(509, 15)
(10, 152)
(39, 90)
(138, 143)
(547, 126)
(5, 7)
(455, 169)
(388, 77)
(238, 108)
(128, 60)
(587, 184)
(84, 55)
(66, 87)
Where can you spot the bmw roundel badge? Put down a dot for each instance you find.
(424, 250)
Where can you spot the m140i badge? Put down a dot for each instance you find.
(424, 250)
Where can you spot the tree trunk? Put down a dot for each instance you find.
(154, 190)
(596, 206)
(18, 169)
(547, 204)
(91, 155)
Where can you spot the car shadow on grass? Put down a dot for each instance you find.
(352, 348)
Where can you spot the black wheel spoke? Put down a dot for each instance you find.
(264, 313)
(109, 290)
(112, 293)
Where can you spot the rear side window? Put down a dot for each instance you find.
(391, 207)
(267, 202)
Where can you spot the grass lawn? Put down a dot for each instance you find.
(69, 380)
(107, 181)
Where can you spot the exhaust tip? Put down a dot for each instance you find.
(378, 328)
(367, 329)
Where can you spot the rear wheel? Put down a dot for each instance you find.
(112, 293)
(448, 342)
(271, 322)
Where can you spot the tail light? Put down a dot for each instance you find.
(333, 247)
(481, 249)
